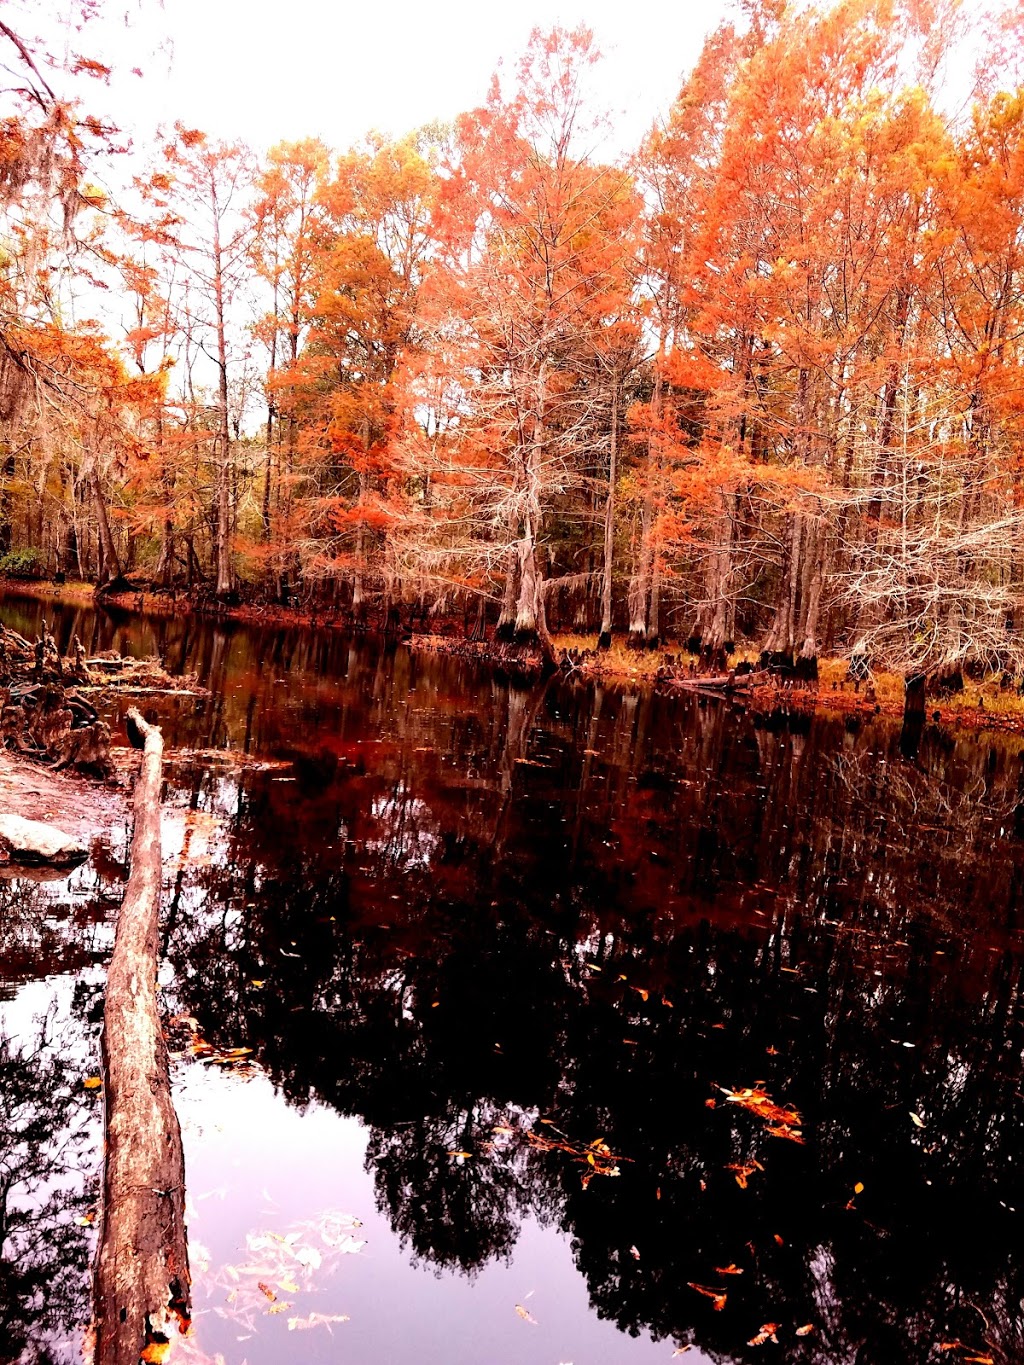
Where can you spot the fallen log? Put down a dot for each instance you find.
(721, 682)
(141, 1282)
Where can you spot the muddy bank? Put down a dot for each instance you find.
(79, 805)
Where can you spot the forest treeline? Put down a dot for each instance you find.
(757, 382)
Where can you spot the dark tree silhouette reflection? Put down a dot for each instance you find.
(47, 1160)
(469, 913)
(458, 944)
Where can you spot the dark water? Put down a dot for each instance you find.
(472, 933)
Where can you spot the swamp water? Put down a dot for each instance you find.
(542, 986)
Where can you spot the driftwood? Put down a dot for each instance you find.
(721, 683)
(141, 1285)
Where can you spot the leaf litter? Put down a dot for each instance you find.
(278, 1267)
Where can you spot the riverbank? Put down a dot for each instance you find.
(981, 704)
(81, 806)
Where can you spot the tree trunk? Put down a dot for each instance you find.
(914, 698)
(507, 618)
(604, 638)
(639, 583)
(714, 628)
(141, 1282)
(110, 575)
(224, 583)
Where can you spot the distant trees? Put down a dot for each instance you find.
(754, 385)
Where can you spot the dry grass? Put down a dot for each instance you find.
(621, 661)
(74, 593)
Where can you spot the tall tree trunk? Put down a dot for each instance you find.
(714, 627)
(639, 596)
(507, 617)
(109, 564)
(531, 617)
(604, 638)
(640, 583)
(224, 580)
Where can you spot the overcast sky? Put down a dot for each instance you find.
(265, 70)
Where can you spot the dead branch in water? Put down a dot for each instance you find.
(141, 1282)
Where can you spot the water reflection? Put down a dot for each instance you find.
(47, 1150)
(466, 912)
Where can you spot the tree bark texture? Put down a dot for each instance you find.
(141, 1282)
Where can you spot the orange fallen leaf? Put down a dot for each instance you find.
(779, 1240)
(805, 1330)
(718, 1295)
(266, 1289)
(729, 1269)
(155, 1353)
(766, 1333)
(681, 1351)
(757, 1101)
(783, 1130)
(743, 1173)
(92, 1082)
(524, 1313)
(859, 1187)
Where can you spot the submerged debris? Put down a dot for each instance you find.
(43, 712)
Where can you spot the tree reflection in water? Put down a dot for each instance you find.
(48, 1148)
(466, 922)
(474, 907)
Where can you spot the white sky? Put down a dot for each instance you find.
(267, 70)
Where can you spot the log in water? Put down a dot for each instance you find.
(142, 1276)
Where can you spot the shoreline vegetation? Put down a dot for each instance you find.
(983, 702)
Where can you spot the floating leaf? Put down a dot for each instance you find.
(92, 1082)
(524, 1313)
(743, 1173)
(717, 1295)
(916, 1119)
(316, 1320)
(681, 1351)
(266, 1289)
(757, 1101)
(859, 1187)
(728, 1269)
(805, 1330)
(766, 1333)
